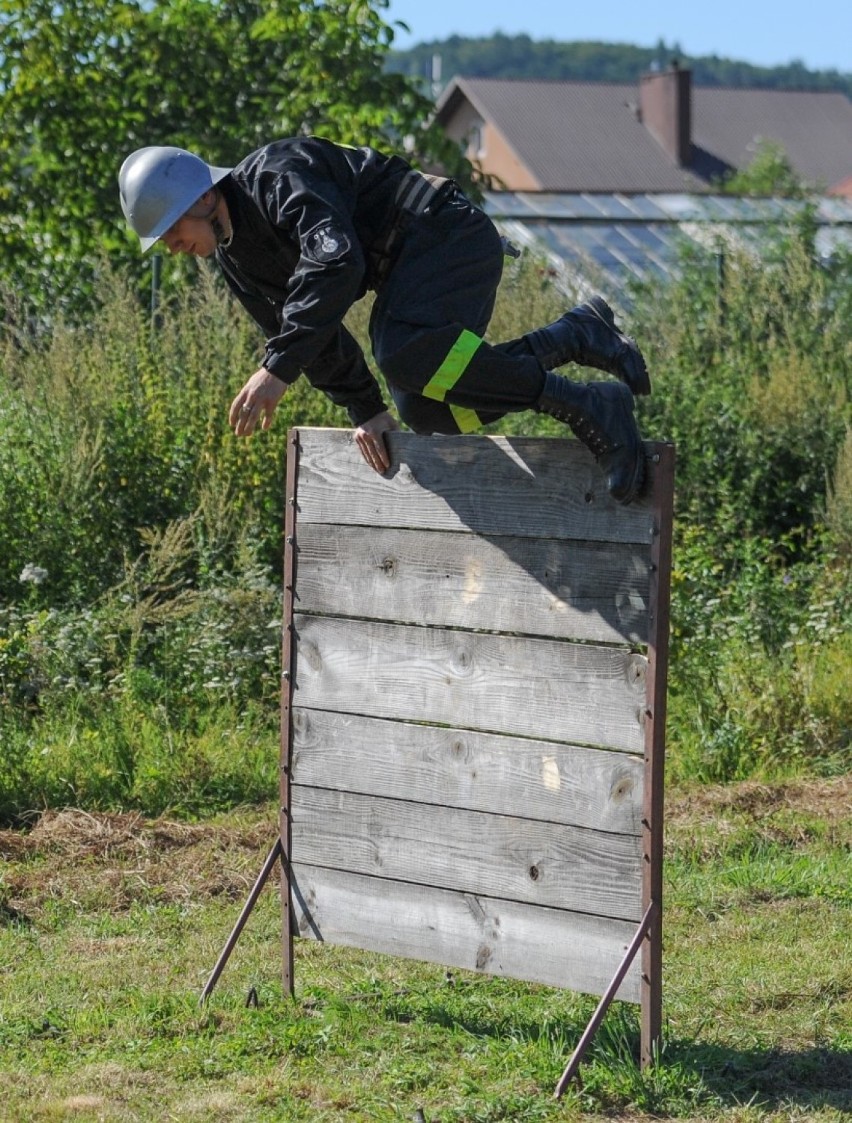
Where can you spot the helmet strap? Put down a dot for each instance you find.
(208, 211)
(222, 239)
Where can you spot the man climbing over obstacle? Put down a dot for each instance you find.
(302, 228)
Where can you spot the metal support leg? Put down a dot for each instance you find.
(604, 1004)
(273, 856)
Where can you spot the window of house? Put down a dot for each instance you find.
(476, 139)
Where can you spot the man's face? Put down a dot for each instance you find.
(193, 232)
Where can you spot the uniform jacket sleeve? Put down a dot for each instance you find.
(301, 267)
(339, 370)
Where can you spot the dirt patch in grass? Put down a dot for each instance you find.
(85, 856)
(788, 812)
(830, 800)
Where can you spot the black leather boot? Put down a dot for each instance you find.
(588, 335)
(601, 416)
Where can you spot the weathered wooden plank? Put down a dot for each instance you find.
(574, 590)
(565, 784)
(496, 855)
(446, 803)
(501, 684)
(534, 487)
(471, 931)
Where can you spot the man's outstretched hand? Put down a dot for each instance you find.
(256, 402)
(258, 399)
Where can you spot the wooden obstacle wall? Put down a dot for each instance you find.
(473, 709)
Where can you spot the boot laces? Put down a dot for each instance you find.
(592, 436)
(585, 429)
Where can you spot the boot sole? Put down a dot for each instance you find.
(639, 381)
(637, 482)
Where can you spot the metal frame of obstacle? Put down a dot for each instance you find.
(645, 945)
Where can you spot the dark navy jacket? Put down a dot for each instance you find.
(310, 219)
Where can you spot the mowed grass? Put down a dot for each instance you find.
(110, 925)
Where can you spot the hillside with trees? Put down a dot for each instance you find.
(519, 56)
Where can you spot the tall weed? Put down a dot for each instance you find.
(139, 580)
(753, 381)
(121, 427)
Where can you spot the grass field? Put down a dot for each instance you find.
(110, 925)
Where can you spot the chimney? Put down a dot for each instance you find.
(665, 105)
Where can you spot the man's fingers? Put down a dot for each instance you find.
(382, 455)
(256, 402)
(241, 410)
(374, 452)
(245, 416)
(370, 438)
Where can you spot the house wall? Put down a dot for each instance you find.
(486, 147)
(500, 161)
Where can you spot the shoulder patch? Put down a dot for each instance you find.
(327, 244)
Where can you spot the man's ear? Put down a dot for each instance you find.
(205, 204)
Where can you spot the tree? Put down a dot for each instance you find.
(770, 173)
(82, 85)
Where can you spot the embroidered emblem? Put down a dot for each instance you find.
(326, 244)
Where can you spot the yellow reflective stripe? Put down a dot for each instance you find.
(466, 419)
(453, 366)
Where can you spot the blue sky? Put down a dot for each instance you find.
(766, 33)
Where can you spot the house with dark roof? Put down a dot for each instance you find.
(844, 188)
(662, 135)
(608, 180)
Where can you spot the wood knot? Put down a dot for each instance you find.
(636, 669)
(483, 954)
(621, 789)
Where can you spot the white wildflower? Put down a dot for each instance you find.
(33, 573)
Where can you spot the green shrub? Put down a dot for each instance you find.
(839, 506)
(161, 693)
(755, 641)
(126, 428)
(122, 753)
(140, 597)
(753, 382)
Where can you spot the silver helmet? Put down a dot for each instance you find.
(158, 184)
